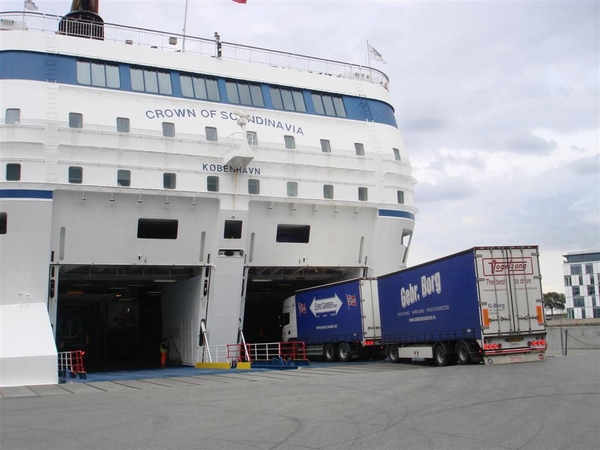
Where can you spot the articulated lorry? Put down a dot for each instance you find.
(338, 321)
(482, 304)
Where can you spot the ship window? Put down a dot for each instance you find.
(75, 174)
(363, 194)
(360, 149)
(252, 137)
(292, 189)
(293, 233)
(329, 105)
(287, 99)
(253, 186)
(233, 229)
(75, 120)
(13, 172)
(397, 154)
(13, 116)
(338, 103)
(168, 129)
(212, 184)
(157, 228)
(153, 81)
(244, 93)
(325, 146)
(123, 124)
(169, 180)
(199, 87)
(123, 177)
(98, 74)
(400, 197)
(113, 79)
(290, 142)
(164, 83)
(212, 90)
(3, 222)
(211, 133)
(327, 191)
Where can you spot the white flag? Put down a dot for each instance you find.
(30, 5)
(376, 54)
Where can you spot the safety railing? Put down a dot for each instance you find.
(266, 351)
(19, 20)
(70, 365)
(253, 352)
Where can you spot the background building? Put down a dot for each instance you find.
(582, 284)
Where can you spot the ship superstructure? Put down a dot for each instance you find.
(164, 186)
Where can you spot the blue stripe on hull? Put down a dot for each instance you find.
(392, 213)
(25, 193)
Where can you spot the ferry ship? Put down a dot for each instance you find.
(163, 186)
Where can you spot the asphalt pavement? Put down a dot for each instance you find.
(552, 404)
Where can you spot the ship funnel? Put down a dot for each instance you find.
(83, 20)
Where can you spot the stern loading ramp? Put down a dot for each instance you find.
(116, 314)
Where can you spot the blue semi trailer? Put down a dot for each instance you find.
(339, 321)
(482, 304)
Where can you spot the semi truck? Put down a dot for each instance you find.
(482, 304)
(338, 321)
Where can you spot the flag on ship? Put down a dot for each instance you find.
(375, 53)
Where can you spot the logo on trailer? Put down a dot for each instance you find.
(302, 308)
(326, 306)
(497, 267)
(351, 299)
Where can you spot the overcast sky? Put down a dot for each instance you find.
(498, 103)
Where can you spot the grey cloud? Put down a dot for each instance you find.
(586, 166)
(527, 142)
(451, 188)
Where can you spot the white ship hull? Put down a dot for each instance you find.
(111, 269)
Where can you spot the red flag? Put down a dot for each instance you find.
(240, 1)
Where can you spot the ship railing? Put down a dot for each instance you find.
(19, 20)
(234, 353)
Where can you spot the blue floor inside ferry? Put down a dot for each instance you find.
(141, 374)
(173, 372)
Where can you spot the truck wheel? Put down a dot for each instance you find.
(343, 352)
(393, 353)
(440, 356)
(462, 353)
(329, 352)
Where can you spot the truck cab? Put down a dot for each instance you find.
(289, 330)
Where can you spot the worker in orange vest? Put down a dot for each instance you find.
(163, 352)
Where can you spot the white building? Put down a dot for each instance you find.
(582, 284)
